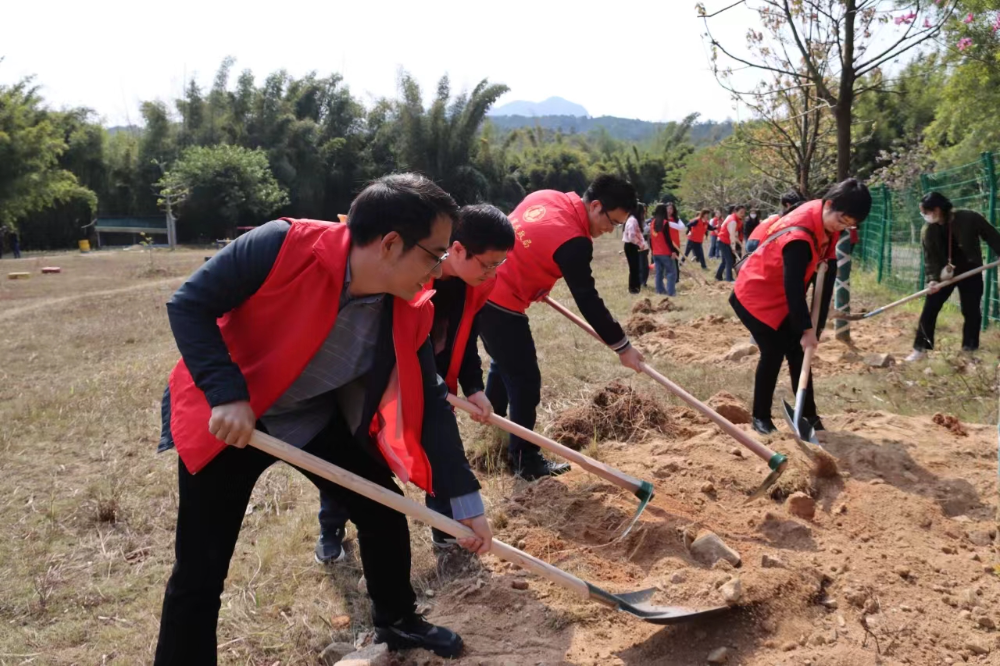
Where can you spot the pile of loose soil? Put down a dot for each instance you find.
(616, 412)
(640, 324)
(730, 407)
(892, 563)
(643, 306)
(951, 423)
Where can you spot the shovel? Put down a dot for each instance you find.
(775, 461)
(632, 602)
(858, 316)
(641, 489)
(801, 427)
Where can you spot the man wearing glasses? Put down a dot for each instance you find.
(310, 331)
(480, 241)
(554, 238)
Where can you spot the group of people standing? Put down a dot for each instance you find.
(660, 235)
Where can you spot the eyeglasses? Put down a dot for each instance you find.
(437, 260)
(613, 221)
(490, 267)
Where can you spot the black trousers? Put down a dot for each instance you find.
(212, 504)
(632, 255)
(775, 346)
(514, 382)
(644, 267)
(726, 252)
(970, 293)
(698, 250)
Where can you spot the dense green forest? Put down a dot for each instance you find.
(241, 149)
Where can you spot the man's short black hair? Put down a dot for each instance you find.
(850, 197)
(406, 203)
(737, 207)
(613, 193)
(790, 198)
(934, 200)
(481, 228)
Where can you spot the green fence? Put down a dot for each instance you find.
(890, 237)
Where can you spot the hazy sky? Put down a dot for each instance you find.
(630, 58)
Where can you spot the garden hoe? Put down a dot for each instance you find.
(777, 462)
(632, 602)
(641, 489)
(859, 316)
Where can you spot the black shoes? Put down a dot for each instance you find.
(416, 632)
(330, 547)
(764, 426)
(532, 468)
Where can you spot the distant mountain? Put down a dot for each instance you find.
(553, 106)
(624, 129)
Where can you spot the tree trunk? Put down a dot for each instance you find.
(844, 115)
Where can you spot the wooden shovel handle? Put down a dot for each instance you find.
(807, 359)
(586, 462)
(373, 491)
(756, 447)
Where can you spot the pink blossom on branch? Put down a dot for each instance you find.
(927, 23)
(900, 20)
(969, 19)
(964, 43)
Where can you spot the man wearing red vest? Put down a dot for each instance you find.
(770, 293)
(730, 237)
(480, 241)
(555, 233)
(310, 330)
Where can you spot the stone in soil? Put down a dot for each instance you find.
(880, 360)
(373, 655)
(801, 505)
(732, 591)
(741, 351)
(769, 562)
(719, 655)
(708, 548)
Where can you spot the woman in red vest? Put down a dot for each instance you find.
(696, 236)
(664, 251)
(480, 241)
(770, 293)
(310, 331)
(713, 226)
(730, 236)
(555, 233)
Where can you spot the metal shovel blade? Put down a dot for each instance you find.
(645, 495)
(807, 430)
(634, 604)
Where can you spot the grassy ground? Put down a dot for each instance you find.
(87, 508)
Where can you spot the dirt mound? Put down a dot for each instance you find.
(951, 423)
(616, 412)
(666, 305)
(643, 306)
(730, 407)
(640, 324)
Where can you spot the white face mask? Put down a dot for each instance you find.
(929, 218)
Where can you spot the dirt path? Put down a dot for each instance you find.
(37, 304)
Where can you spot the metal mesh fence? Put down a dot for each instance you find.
(890, 240)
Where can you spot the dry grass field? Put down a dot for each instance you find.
(87, 507)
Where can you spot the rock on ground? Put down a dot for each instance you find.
(801, 505)
(880, 360)
(708, 548)
(741, 351)
(373, 655)
(719, 655)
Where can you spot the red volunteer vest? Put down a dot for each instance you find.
(713, 226)
(475, 299)
(697, 232)
(542, 222)
(724, 235)
(274, 334)
(761, 231)
(658, 241)
(760, 284)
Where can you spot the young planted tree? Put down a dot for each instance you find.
(836, 49)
